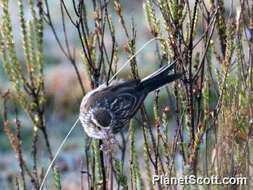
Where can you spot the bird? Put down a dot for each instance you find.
(109, 108)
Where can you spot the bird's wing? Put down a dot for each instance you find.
(123, 99)
(103, 92)
(124, 105)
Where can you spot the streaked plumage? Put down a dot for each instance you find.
(110, 108)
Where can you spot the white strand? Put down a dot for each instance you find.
(57, 152)
(137, 52)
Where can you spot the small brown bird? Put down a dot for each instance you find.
(108, 109)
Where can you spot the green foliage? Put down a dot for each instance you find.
(27, 79)
(136, 179)
(98, 165)
(151, 18)
(57, 179)
(121, 178)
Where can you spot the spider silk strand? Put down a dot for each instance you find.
(56, 154)
(134, 55)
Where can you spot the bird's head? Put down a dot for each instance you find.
(96, 122)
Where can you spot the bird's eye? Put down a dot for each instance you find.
(98, 128)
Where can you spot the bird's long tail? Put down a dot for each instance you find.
(159, 78)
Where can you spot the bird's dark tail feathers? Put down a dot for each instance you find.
(159, 78)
